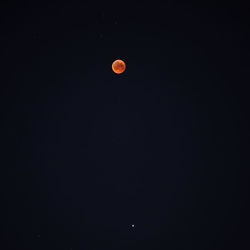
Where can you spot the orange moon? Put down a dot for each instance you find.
(118, 66)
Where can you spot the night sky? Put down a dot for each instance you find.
(154, 158)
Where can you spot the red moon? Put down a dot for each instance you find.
(118, 66)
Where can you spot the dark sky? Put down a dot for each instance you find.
(86, 153)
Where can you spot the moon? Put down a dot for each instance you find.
(118, 66)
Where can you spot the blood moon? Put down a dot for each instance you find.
(118, 66)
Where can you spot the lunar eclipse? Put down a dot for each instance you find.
(118, 66)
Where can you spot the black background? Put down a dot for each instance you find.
(87, 153)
